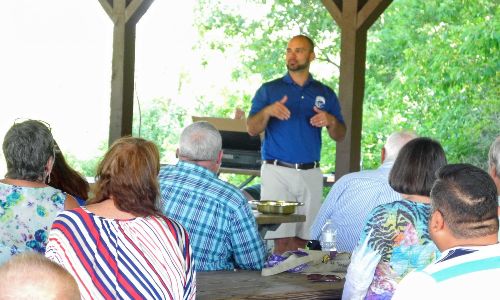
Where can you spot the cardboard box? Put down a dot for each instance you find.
(225, 124)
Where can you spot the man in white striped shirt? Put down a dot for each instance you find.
(464, 226)
(354, 195)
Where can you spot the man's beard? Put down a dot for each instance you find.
(297, 67)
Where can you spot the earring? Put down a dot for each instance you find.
(46, 176)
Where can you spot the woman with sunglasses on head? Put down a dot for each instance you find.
(28, 206)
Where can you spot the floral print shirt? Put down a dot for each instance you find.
(394, 242)
(26, 215)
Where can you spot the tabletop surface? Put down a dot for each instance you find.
(251, 285)
(264, 219)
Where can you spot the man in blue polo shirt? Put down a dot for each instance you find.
(292, 111)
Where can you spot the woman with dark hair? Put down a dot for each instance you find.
(395, 239)
(67, 179)
(28, 206)
(120, 246)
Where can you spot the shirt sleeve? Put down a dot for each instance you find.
(259, 101)
(411, 287)
(61, 252)
(364, 261)
(334, 107)
(327, 208)
(54, 251)
(190, 286)
(248, 247)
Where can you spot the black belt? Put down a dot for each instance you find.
(304, 166)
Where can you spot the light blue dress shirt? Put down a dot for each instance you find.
(350, 201)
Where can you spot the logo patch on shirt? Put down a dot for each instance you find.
(320, 102)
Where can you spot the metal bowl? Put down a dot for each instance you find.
(277, 207)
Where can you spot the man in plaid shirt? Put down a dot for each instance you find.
(220, 223)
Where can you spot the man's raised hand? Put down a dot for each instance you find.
(279, 110)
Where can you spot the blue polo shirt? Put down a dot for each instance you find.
(295, 140)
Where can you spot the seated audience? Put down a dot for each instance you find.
(216, 214)
(120, 246)
(67, 179)
(30, 275)
(395, 239)
(28, 206)
(464, 226)
(356, 194)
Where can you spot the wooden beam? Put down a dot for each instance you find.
(107, 8)
(334, 11)
(370, 13)
(136, 9)
(354, 17)
(125, 14)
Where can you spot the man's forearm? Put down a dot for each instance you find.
(336, 130)
(257, 123)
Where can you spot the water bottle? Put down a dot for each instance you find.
(328, 238)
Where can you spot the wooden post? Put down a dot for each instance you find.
(124, 14)
(354, 17)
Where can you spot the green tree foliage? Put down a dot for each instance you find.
(86, 167)
(432, 66)
(160, 121)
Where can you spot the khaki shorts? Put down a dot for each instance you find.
(282, 183)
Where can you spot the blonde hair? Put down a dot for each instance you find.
(30, 275)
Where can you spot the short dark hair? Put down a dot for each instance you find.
(27, 147)
(414, 170)
(466, 196)
(128, 174)
(308, 39)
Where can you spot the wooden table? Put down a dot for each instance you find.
(271, 222)
(251, 285)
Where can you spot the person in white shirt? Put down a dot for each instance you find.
(355, 195)
(464, 226)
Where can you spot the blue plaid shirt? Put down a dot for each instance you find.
(220, 223)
